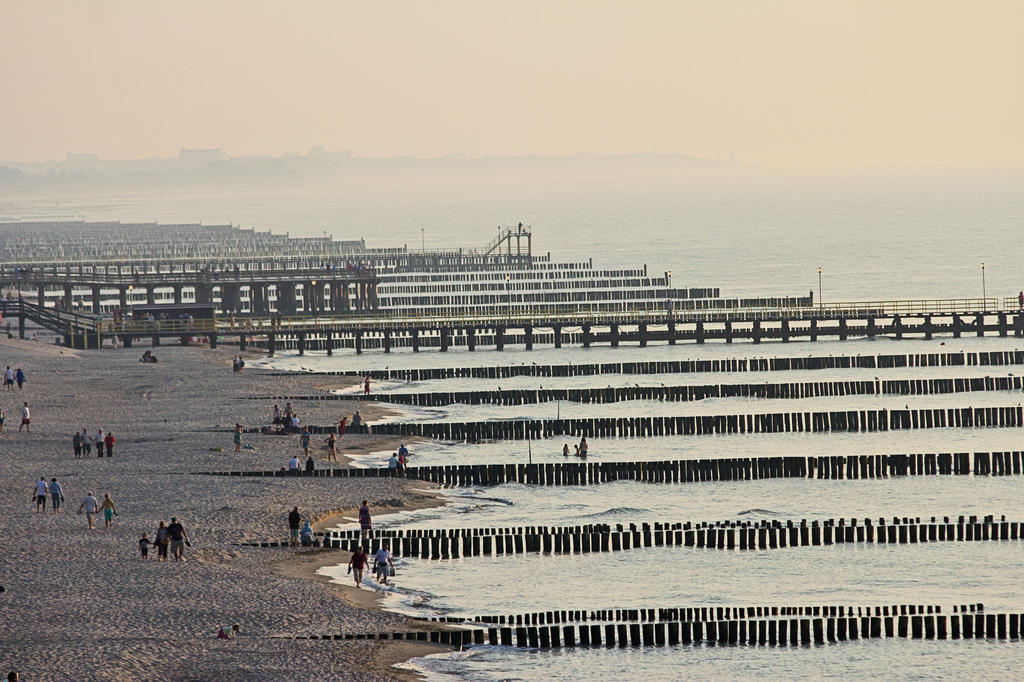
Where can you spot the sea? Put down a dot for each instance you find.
(877, 234)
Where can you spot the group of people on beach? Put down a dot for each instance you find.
(581, 449)
(383, 566)
(90, 505)
(170, 536)
(82, 443)
(52, 489)
(26, 418)
(299, 531)
(12, 377)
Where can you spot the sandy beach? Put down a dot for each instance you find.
(81, 604)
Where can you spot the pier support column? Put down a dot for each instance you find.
(872, 329)
(785, 331)
(41, 296)
(204, 293)
(122, 298)
(241, 342)
(814, 329)
(556, 330)
(471, 338)
(21, 326)
(1018, 324)
(443, 333)
(929, 329)
(271, 344)
(698, 333)
(177, 293)
(756, 331)
(150, 295)
(672, 332)
(68, 298)
(95, 300)
(415, 340)
(302, 343)
(1002, 324)
(528, 333)
(957, 326)
(897, 325)
(499, 338)
(613, 334)
(359, 343)
(330, 342)
(641, 331)
(728, 331)
(387, 340)
(586, 335)
(979, 321)
(842, 329)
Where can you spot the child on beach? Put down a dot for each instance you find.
(228, 632)
(238, 437)
(144, 544)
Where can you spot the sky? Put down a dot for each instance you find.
(782, 83)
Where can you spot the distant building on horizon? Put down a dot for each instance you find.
(196, 158)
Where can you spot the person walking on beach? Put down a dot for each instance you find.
(19, 376)
(86, 443)
(40, 495)
(356, 564)
(583, 446)
(332, 452)
(304, 442)
(76, 443)
(393, 464)
(109, 442)
(9, 378)
(294, 520)
(99, 443)
(26, 419)
(276, 419)
(366, 386)
(56, 495)
(364, 520)
(342, 425)
(89, 505)
(161, 542)
(238, 437)
(383, 564)
(109, 510)
(179, 539)
(3, 415)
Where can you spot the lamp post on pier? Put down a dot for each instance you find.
(984, 291)
(821, 303)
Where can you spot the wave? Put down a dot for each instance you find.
(764, 512)
(619, 511)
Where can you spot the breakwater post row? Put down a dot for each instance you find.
(455, 543)
(697, 425)
(796, 631)
(825, 467)
(698, 613)
(686, 393)
(735, 365)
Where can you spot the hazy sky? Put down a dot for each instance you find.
(784, 83)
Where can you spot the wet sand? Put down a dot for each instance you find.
(81, 604)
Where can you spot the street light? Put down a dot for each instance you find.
(821, 303)
(984, 292)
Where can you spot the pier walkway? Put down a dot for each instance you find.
(361, 330)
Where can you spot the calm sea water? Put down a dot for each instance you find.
(877, 235)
